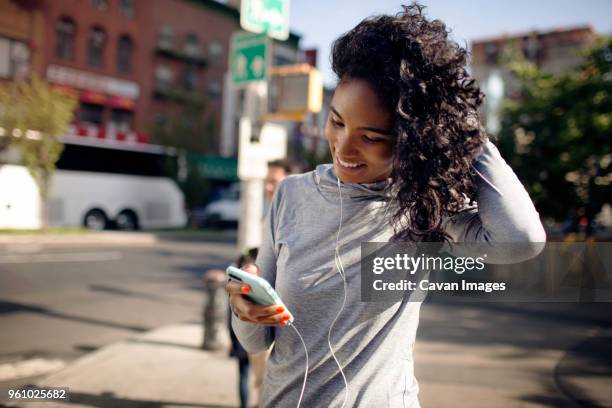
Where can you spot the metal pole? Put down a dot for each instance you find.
(251, 188)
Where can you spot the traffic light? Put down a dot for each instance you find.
(293, 91)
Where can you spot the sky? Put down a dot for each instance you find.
(319, 22)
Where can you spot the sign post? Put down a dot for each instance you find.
(266, 16)
(249, 58)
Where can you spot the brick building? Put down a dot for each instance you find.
(554, 52)
(188, 50)
(21, 28)
(96, 49)
(131, 63)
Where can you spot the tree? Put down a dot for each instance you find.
(37, 115)
(557, 133)
(195, 187)
(190, 129)
(188, 177)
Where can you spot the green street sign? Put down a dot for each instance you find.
(266, 16)
(249, 58)
(214, 167)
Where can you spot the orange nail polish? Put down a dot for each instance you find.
(280, 309)
(245, 289)
(286, 317)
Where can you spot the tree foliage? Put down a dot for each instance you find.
(37, 114)
(189, 128)
(188, 177)
(557, 134)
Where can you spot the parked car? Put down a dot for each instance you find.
(221, 213)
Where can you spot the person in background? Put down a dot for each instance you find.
(277, 171)
(236, 350)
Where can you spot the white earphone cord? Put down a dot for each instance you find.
(340, 267)
(306, 371)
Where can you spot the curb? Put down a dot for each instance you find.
(110, 238)
(93, 238)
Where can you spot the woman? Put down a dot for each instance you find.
(410, 163)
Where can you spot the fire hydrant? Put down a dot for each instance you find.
(215, 309)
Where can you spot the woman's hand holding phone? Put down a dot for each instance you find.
(247, 311)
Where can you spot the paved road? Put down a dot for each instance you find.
(58, 302)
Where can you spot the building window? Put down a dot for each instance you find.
(6, 70)
(99, 4)
(124, 54)
(96, 41)
(64, 36)
(121, 120)
(282, 60)
(190, 80)
(530, 48)
(215, 52)
(126, 8)
(14, 59)
(214, 88)
(166, 37)
(491, 54)
(20, 56)
(164, 78)
(90, 113)
(192, 45)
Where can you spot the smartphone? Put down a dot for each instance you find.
(261, 293)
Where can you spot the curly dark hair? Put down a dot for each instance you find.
(420, 75)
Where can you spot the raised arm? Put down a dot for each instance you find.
(504, 213)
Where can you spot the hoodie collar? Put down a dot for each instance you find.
(327, 182)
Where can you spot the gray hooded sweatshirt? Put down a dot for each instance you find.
(373, 341)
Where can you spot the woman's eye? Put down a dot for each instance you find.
(372, 139)
(336, 123)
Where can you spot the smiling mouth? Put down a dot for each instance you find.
(349, 165)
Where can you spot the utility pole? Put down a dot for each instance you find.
(251, 168)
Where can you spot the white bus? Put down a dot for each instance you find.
(97, 185)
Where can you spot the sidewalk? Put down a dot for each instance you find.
(162, 368)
